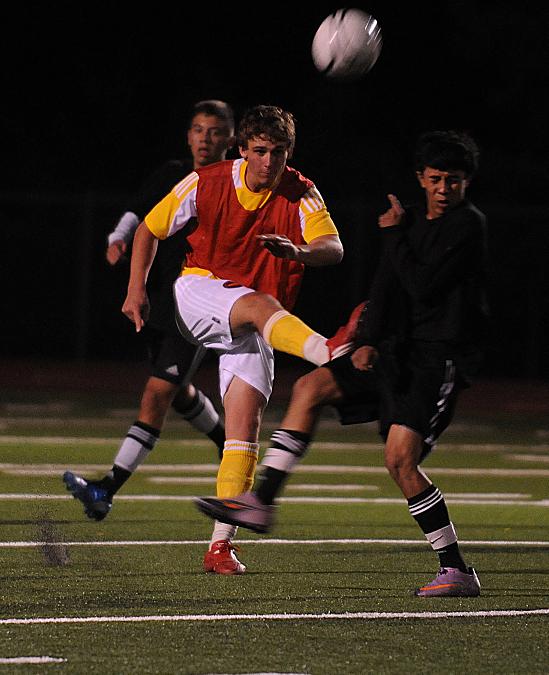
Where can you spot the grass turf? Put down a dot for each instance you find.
(164, 580)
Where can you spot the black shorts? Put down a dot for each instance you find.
(170, 355)
(414, 385)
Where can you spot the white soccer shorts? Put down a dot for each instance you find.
(203, 305)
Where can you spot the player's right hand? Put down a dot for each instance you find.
(136, 307)
(394, 215)
(279, 245)
(364, 357)
(116, 251)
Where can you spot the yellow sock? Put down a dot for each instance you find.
(286, 333)
(237, 468)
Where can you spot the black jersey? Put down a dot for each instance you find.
(171, 252)
(430, 283)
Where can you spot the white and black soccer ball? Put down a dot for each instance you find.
(347, 44)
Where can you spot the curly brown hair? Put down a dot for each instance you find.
(267, 121)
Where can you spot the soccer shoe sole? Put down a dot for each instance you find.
(446, 592)
(221, 514)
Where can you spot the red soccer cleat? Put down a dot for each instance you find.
(221, 559)
(342, 341)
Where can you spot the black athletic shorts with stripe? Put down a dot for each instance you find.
(415, 385)
(170, 355)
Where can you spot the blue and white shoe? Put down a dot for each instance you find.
(96, 500)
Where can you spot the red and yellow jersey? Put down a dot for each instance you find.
(229, 216)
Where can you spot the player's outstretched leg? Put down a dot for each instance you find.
(285, 332)
(96, 499)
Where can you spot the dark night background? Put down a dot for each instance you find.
(94, 99)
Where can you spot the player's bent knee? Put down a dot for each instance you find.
(400, 465)
(184, 399)
(159, 393)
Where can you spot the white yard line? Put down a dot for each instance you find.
(16, 660)
(531, 458)
(271, 542)
(181, 480)
(10, 439)
(487, 495)
(324, 616)
(325, 487)
(14, 496)
(302, 468)
(90, 440)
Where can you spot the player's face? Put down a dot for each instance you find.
(266, 162)
(444, 190)
(209, 139)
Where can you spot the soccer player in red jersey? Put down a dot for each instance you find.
(256, 224)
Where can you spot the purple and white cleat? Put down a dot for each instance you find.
(451, 582)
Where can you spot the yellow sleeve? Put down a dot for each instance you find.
(315, 218)
(175, 210)
(162, 215)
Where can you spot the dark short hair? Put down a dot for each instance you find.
(270, 122)
(216, 108)
(445, 150)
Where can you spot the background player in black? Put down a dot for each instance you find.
(418, 343)
(173, 359)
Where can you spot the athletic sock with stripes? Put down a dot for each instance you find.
(139, 441)
(285, 451)
(203, 416)
(429, 510)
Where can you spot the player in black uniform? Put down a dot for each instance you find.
(173, 360)
(418, 343)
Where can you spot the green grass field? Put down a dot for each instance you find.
(329, 591)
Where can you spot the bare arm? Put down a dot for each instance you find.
(324, 250)
(136, 305)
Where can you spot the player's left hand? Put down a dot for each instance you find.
(279, 245)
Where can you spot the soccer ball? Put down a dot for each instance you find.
(346, 44)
